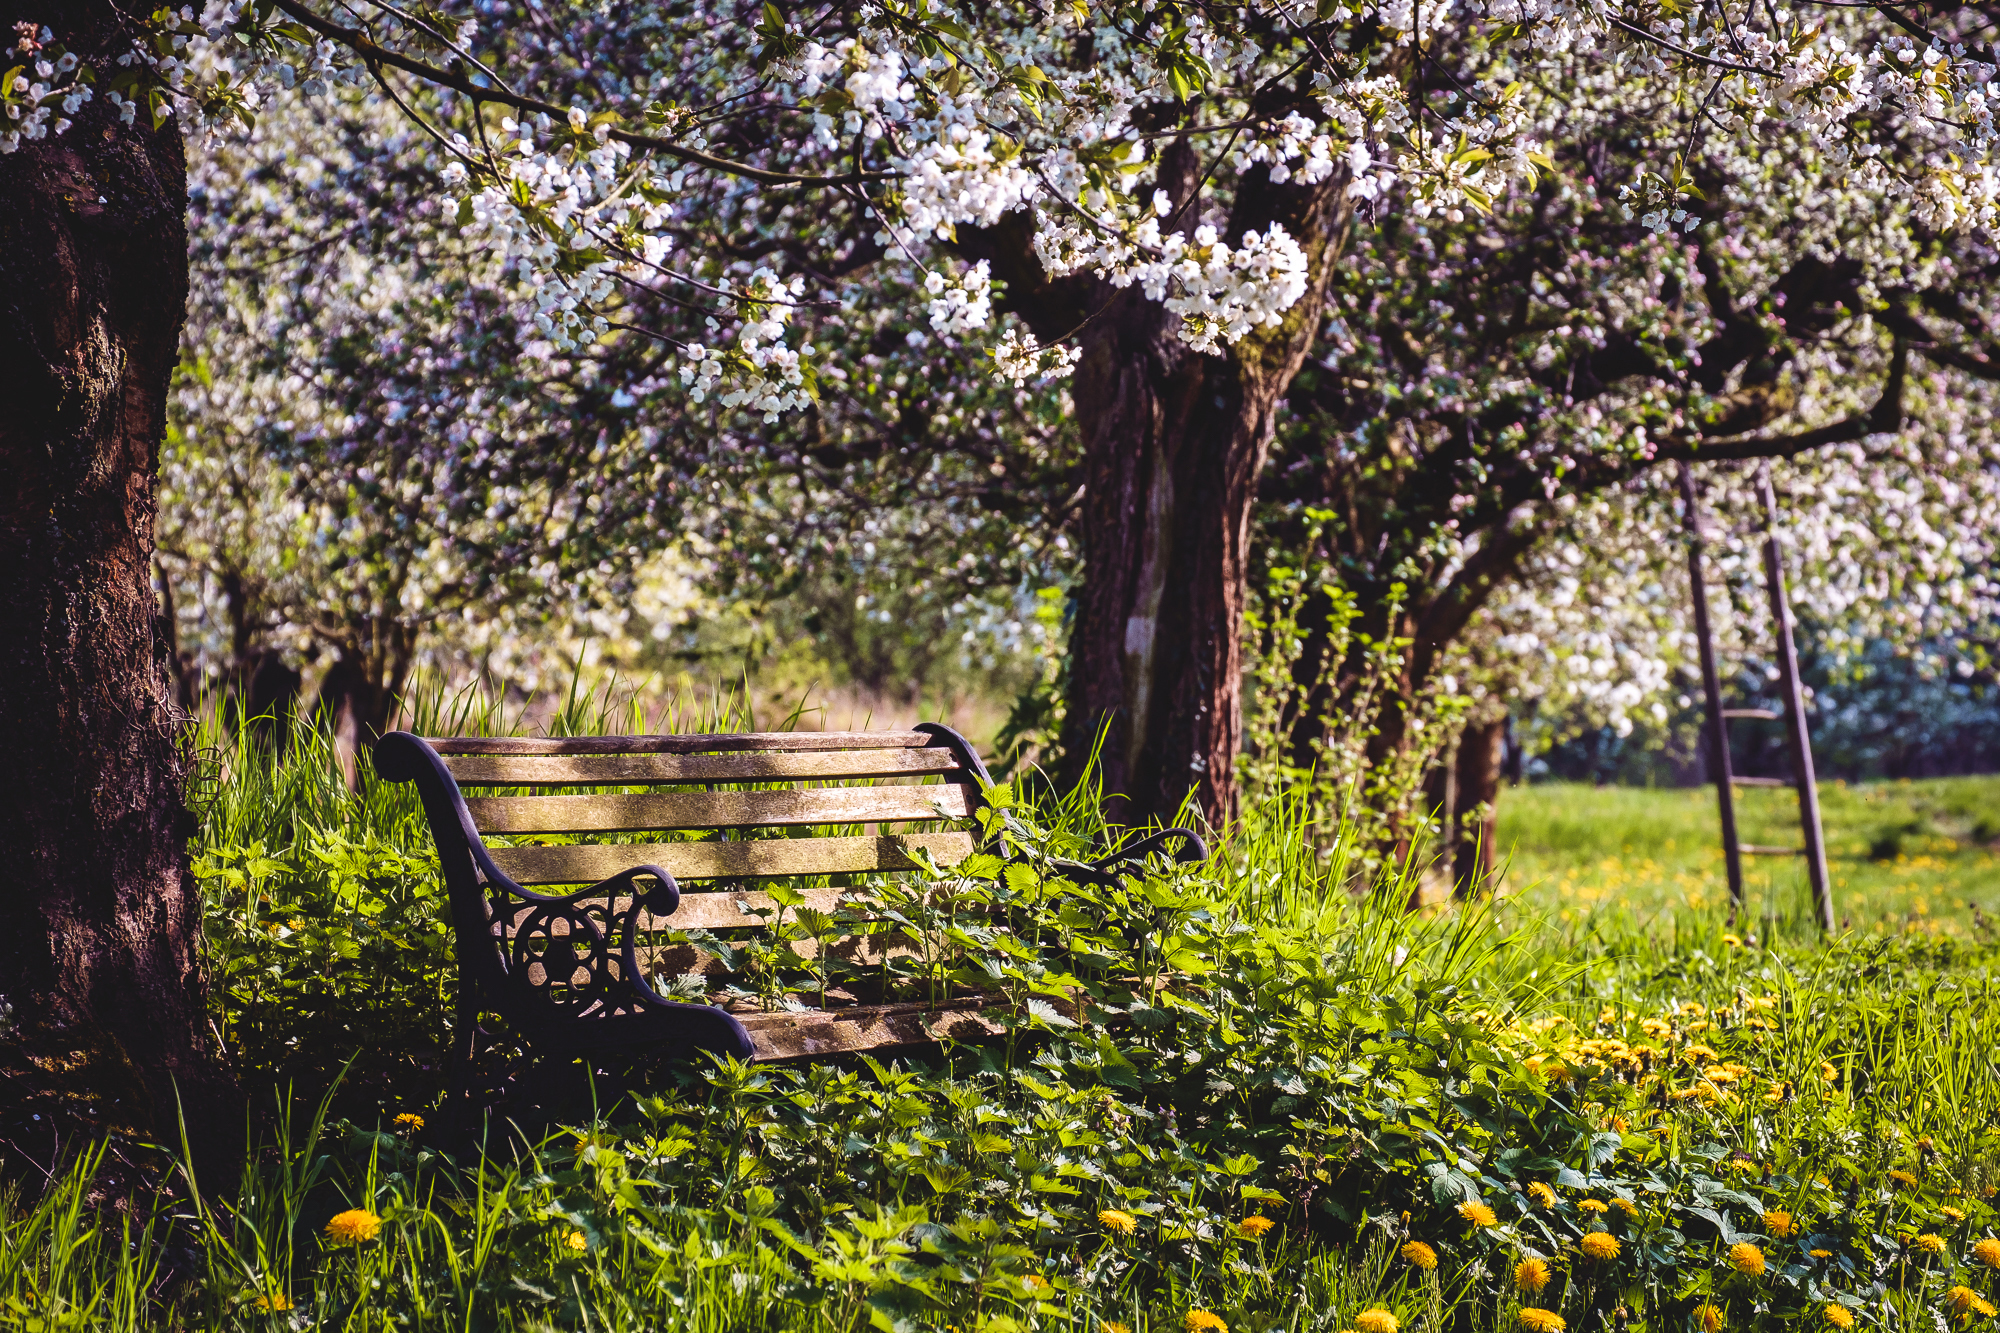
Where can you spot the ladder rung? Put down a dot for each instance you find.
(1758, 782)
(1761, 714)
(1752, 849)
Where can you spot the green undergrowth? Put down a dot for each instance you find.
(1233, 1096)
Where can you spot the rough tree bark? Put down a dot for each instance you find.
(1173, 444)
(101, 966)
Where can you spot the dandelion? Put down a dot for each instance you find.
(1250, 1228)
(353, 1227)
(1828, 1072)
(1112, 1326)
(1955, 1214)
(1115, 1220)
(1376, 1320)
(1820, 1254)
(1930, 1243)
(1478, 1214)
(1542, 1194)
(1965, 1301)
(1779, 1223)
(1601, 1246)
(1839, 1316)
(1205, 1321)
(1902, 1178)
(1419, 1255)
(1708, 1318)
(1593, 1206)
(1626, 1206)
(1531, 1275)
(408, 1124)
(1541, 1321)
(1988, 1252)
(1746, 1258)
(576, 1240)
(276, 1300)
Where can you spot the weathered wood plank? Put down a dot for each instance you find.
(632, 770)
(786, 807)
(695, 744)
(788, 1036)
(761, 858)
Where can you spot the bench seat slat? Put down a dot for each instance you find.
(735, 741)
(783, 1036)
(790, 807)
(762, 858)
(650, 769)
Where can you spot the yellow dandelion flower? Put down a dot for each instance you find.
(1205, 1321)
(1839, 1316)
(1778, 1222)
(353, 1226)
(1955, 1214)
(1478, 1214)
(1965, 1301)
(1419, 1255)
(1541, 1321)
(276, 1300)
(1828, 1072)
(1593, 1205)
(1376, 1320)
(1531, 1275)
(576, 1240)
(1746, 1258)
(1626, 1206)
(1930, 1243)
(1116, 1220)
(1599, 1245)
(409, 1124)
(1542, 1194)
(1820, 1254)
(1252, 1227)
(1709, 1319)
(1112, 1326)
(1987, 1252)
(1902, 1178)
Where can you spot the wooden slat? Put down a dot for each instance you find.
(763, 858)
(785, 1036)
(731, 741)
(789, 806)
(1740, 781)
(632, 770)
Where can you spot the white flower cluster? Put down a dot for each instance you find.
(42, 105)
(760, 373)
(874, 93)
(1293, 138)
(957, 178)
(560, 194)
(1020, 357)
(960, 305)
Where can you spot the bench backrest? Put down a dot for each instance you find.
(752, 801)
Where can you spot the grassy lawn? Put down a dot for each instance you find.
(1906, 856)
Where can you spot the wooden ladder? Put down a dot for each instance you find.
(1797, 738)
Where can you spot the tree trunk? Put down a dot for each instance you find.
(1173, 444)
(105, 1029)
(1482, 750)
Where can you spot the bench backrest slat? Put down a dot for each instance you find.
(634, 770)
(758, 858)
(782, 741)
(788, 807)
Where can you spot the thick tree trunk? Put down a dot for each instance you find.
(101, 968)
(1174, 441)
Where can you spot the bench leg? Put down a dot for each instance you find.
(460, 1111)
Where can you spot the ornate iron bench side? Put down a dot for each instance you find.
(494, 970)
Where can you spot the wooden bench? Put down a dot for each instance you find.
(576, 971)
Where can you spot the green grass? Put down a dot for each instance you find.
(1905, 856)
(1264, 1045)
